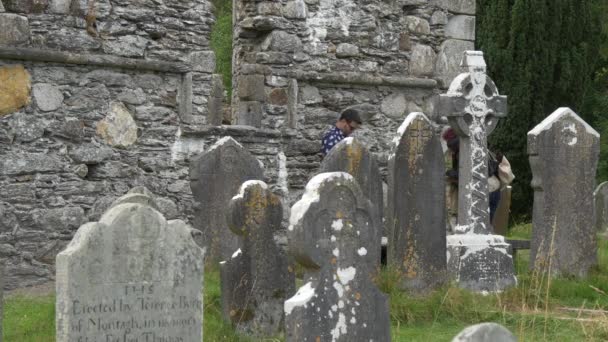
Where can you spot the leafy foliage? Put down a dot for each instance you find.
(221, 41)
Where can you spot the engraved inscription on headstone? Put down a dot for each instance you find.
(563, 151)
(417, 238)
(215, 176)
(132, 276)
(329, 229)
(350, 156)
(257, 279)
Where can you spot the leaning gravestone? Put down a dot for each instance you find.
(350, 156)
(329, 229)
(563, 151)
(215, 176)
(477, 260)
(132, 276)
(257, 279)
(485, 332)
(417, 236)
(600, 200)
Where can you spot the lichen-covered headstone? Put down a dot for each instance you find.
(600, 198)
(485, 332)
(257, 279)
(477, 260)
(329, 229)
(132, 276)
(350, 156)
(215, 176)
(417, 235)
(563, 151)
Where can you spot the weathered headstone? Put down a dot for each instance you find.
(132, 276)
(350, 156)
(485, 332)
(600, 200)
(417, 234)
(257, 279)
(501, 217)
(329, 229)
(215, 176)
(563, 151)
(477, 260)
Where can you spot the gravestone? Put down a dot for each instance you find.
(215, 176)
(477, 260)
(501, 217)
(329, 229)
(563, 151)
(485, 332)
(132, 276)
(350, 156)
(417, 237)
(600, 203)
(257, 279)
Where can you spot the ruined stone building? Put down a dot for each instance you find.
(98, 96)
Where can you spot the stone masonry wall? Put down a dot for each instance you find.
(100, 96)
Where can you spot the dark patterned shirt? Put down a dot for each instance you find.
(331, 138)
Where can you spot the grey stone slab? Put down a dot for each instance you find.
(416, 230)
(131, 276)
(257, 279)
(477, 260)
(457, 6)
(563, 151)
(203, 61)
(15, 29)
(600, 200)
(501, 217)
(292, 103)
(421, 62)
(485, 332)
(47, 96)
(329, 229)
(461, 27)
(250, 113)
(215, 177)
(350, 156)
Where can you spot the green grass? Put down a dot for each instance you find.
(526, 310)
(221, 41)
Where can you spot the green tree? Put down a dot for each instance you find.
(542, 54)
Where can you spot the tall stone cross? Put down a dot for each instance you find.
(473, 106)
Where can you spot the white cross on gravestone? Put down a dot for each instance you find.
(473, 106)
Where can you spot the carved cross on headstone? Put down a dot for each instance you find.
(257, 279)
(329, 229)
(473, 106)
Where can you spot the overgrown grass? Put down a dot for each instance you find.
(221, 41)
(534, 311)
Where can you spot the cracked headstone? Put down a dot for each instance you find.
(215, 177)
(416, 230)
(563, 151)
(477, 259)
(257, 279)
(600, 200)
(485, 332)
(132, 275)
(329, 229)
(350, 156)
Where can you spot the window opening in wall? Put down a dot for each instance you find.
(221, 42)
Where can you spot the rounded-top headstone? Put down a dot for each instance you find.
(485, 332)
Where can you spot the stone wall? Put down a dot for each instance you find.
(98, 96)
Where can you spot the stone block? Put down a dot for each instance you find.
(281, 41)
(126, 46)
(439, 18)
(47, 97)
(417, 25)
(461, 27)
(485, 332)
(251, 88)
(310, 95)
(421, 60)
(404, 41)
(249, 114)
(134, 271)
(203, 61)
(26, 127)
(15, 29)
(394, 106)
(90, 154)
(447, 66)
(118, 127)
(28, 163)
(295, 9)
(347, 50)
(457, 6)
(25, 6)
(278, 97)
(59, 6)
